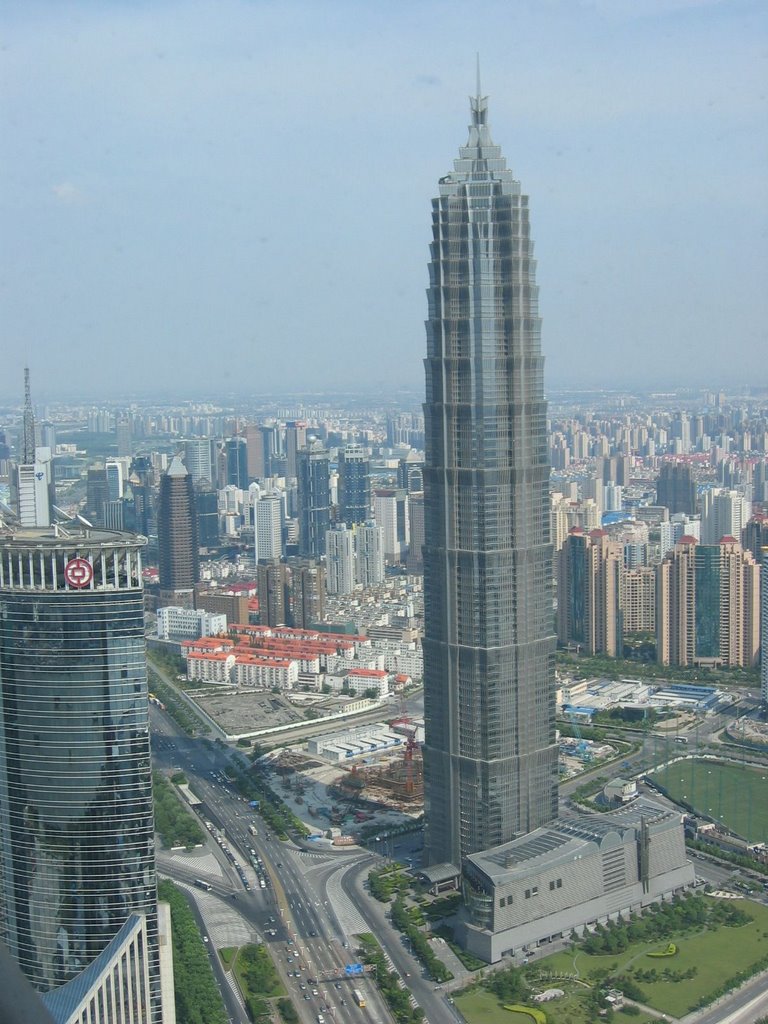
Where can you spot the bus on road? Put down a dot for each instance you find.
(202, 885)
(358, 996)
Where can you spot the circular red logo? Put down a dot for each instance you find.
(78, 572)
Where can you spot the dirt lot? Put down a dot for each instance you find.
(242, 712)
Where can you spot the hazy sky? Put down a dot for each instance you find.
(228, 195)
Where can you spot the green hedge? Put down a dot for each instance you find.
(173, 821)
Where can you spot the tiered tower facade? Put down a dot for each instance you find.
(490, 752)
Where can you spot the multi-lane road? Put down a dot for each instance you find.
(302, 911)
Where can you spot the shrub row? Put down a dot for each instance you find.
(198, 1000)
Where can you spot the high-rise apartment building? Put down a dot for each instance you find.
(754, 536)
(268, 527)
(197, 459)
(207, 508)
(390, 510)
(124, 436)
(314, 495)
(274, 583)
(724, 513)
(354, 485)
(115, 478)
(295, 440)
(613, 469)
(590, 570)
(676, 488)
(96, 496)
(177, 530)
(708, 605)
(414, 560)
(677, 526)
(369, 554)
(256, 456)
(237, 462)
(307, 593)
(142, 486)
(638, 600)
(76, 824)
(340, 560)
(490, 755)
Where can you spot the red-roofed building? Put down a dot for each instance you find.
(265, 672)
(361, 679)
(213, 667)
(206, 645)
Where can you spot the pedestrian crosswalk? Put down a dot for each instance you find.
(349, 917)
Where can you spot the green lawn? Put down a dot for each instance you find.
(733, 794)
(481, 1007)
(227, 954)
(256, 974)
(718, 955)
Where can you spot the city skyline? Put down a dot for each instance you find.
(140, 197)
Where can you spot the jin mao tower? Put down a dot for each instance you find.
(490, 751)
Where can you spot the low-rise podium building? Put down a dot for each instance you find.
(570, 875)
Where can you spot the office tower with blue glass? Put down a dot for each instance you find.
(490, 752)
(78, 900)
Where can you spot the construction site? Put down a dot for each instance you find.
(384, 789)
(346, 783)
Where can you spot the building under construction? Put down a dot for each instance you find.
(399, 784)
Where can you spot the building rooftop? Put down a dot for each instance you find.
(73, 533)
(567, 838)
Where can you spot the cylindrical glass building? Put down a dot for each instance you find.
(76, 826)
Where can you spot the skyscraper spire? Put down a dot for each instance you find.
(28, 421)
(479, 107)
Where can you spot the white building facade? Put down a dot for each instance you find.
(724, 513)
(369, 554)
(174, 623)
(340, 560)
(268, 527)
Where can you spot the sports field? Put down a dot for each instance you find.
(733, 794)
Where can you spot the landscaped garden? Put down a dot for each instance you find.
(677, 957)
(411, 909)
(173, 821)
(258, 981)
